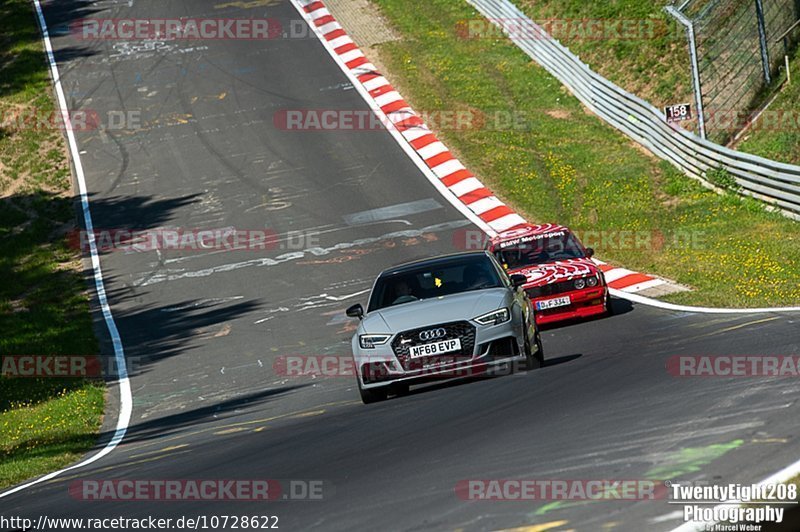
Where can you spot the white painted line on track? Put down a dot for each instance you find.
(453, 192)
(635, 298)
(781, 476)
(394, 132)
(126, 398)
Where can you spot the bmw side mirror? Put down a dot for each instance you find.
(518, 280)
(589, 252)
(356, 311)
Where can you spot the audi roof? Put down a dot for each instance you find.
(432, 262)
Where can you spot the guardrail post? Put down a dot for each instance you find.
(785, 38)
(776, 184)
(698, 92)
(762, 37)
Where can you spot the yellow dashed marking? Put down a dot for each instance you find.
(537, 528)
(735, 327)
(310, 414)
(164, 450)
(118, 466)
(227, 431)
(243, 423)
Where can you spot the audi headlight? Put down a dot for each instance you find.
(494, 317)
(369, 341)
(591, 281)
(580, 284)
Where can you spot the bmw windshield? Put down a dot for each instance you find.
(434, 280)
(539, 249)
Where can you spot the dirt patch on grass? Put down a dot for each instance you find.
(366, 26)
(560, 114)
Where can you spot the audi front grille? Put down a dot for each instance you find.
(462, 330)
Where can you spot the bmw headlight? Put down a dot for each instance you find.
(591, 281)
(494, 317)
(369, 341)
(580, 284)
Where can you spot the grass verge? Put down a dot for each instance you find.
(650, 58)
(45, 423)
(567, 166)
(776, 134)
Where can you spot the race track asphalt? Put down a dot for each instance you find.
(202, 330)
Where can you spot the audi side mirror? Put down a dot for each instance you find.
(356, 311)
(589, 252)
(518, 280)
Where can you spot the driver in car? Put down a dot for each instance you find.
(475, 277)
(403, 292)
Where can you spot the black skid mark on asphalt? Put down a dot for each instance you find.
(125, 161)
(201, 136)
(257, 88)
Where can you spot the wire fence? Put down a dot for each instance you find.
(740, 47)
(775, 183)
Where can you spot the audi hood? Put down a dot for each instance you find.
(429, 312)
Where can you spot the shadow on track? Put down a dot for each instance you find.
(151, 333)
(560, 360)
(618, 307)
(39, 242)
(225, 410)
(499, 373)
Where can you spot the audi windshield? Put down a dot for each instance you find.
(434, 279)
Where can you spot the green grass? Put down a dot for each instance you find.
(656, 67)
(45, 423)
(776, 135)
(652, 63)
(569, 167)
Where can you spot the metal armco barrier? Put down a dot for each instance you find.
(770, 181)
